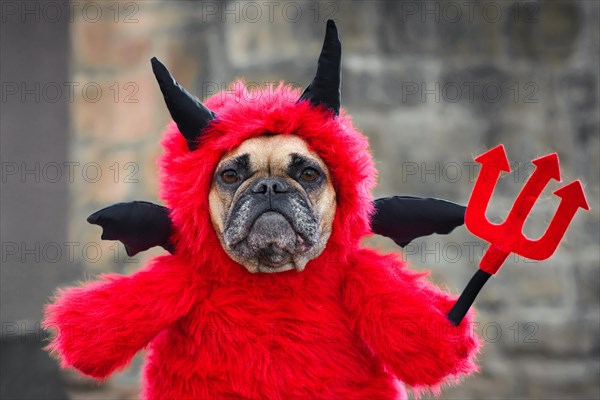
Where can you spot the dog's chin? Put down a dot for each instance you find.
(272, 245)
(268, 269)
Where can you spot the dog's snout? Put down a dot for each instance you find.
(270, 186)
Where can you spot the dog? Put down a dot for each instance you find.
(255, 192)
(272, 204)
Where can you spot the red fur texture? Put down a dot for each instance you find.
(353, 325)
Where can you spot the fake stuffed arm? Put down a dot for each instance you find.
(102, 324)
(402, 318)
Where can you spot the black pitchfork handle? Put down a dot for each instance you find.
(466, 299)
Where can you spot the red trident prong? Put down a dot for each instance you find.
(508, 237)
(571, 199)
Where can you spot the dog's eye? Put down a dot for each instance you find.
(230, 176)
(309, 175)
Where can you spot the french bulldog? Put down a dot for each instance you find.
(272, 204)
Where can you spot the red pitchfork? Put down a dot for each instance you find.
(508, 237)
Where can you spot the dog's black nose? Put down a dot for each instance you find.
(270, 186)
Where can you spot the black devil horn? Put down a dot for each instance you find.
(189, 114)
(325, 88)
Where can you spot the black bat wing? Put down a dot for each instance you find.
(405, 218)
(139, 225)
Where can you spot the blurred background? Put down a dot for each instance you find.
(432, 84)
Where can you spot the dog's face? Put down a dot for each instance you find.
(272, 204)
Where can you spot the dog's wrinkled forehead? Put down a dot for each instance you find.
(270, 155)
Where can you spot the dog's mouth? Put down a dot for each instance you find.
(274, 240)
(271, 235)
(273, 243)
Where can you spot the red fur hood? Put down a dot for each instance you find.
(244, 113)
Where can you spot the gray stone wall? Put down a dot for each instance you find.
(33, 221)
(432, 85)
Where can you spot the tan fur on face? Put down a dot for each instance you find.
(269, 157)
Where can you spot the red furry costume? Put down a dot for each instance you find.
(350, 326)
